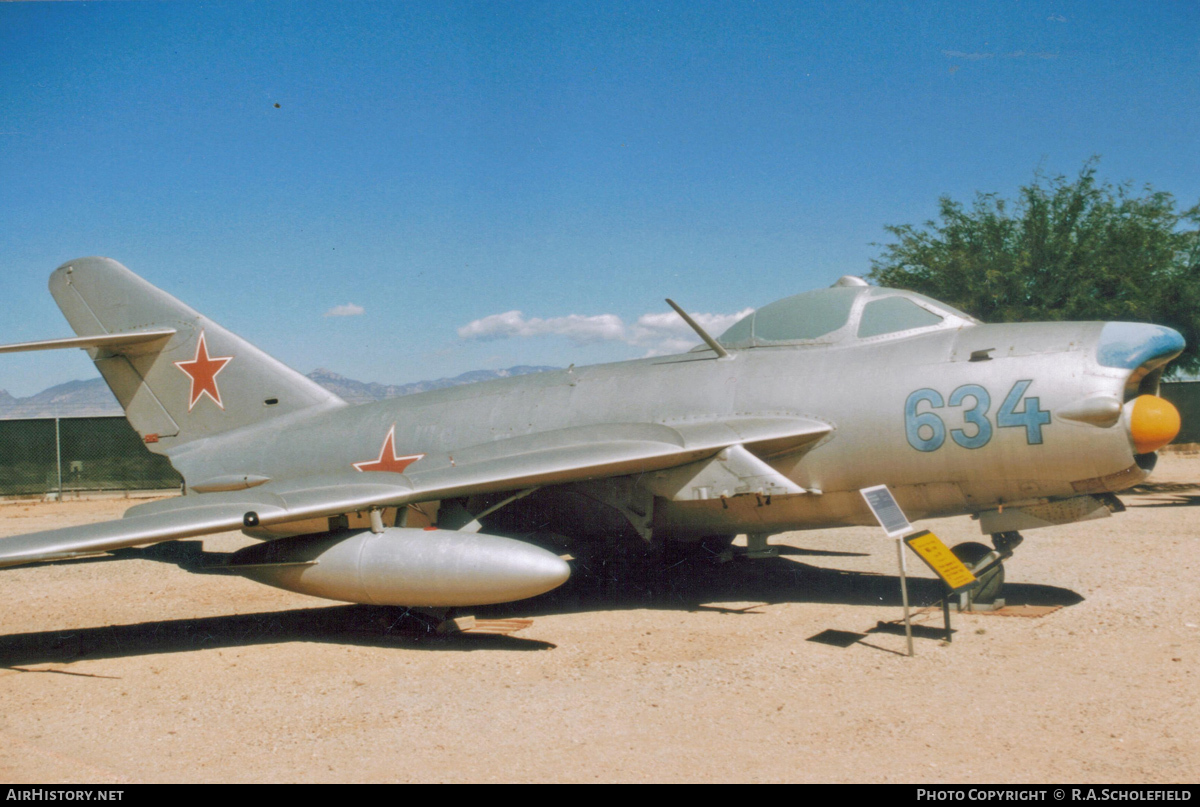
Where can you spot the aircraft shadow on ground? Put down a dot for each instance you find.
(1173, 501)
(699, 584)
(695, 584)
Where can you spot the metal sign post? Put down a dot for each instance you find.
(950, 570)
(904, 594)
(58, 456)
(889, 515)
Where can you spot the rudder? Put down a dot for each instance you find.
(202, 381)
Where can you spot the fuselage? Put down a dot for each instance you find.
(954, 420)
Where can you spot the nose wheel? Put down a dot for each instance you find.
(988, 567)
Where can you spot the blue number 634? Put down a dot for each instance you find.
(926, 431)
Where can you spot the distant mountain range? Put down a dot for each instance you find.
(357, 392)
(92, 398)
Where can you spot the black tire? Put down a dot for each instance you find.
(991, 583)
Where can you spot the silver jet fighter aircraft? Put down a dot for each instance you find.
(775, 426)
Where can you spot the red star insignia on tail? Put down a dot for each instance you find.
(388, 461)
(203, 372)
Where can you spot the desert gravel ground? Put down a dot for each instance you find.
(137, 670)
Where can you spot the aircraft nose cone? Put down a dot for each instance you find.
(1153, 422)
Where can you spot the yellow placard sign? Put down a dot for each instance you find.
(937, 556)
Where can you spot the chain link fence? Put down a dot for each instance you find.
(56, 456)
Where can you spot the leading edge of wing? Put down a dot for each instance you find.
(90, 539)
(557, 457)
(204, 514)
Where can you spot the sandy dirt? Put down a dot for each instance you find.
(137, 670)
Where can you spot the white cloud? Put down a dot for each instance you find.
(347, 310)
(666, 333)
(1016, 54)
(577, 328)
(660, 333)
(970, 57)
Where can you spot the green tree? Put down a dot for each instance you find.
(1063, 250)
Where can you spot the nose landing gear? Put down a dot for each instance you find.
(1006, 542)
(988, 567)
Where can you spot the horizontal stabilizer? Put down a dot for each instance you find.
(112, 342)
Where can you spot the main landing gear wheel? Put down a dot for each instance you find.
(991, 582)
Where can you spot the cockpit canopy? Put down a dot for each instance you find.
(848, 310)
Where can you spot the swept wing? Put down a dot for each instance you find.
(556, 457)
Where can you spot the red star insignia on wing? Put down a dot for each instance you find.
(388, 461)
(203, 371)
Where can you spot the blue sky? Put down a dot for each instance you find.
(442, 165)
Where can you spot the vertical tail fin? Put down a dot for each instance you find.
(199, 382)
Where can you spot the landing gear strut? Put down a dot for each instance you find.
(1006, 542)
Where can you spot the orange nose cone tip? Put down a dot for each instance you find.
(1153, 423)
